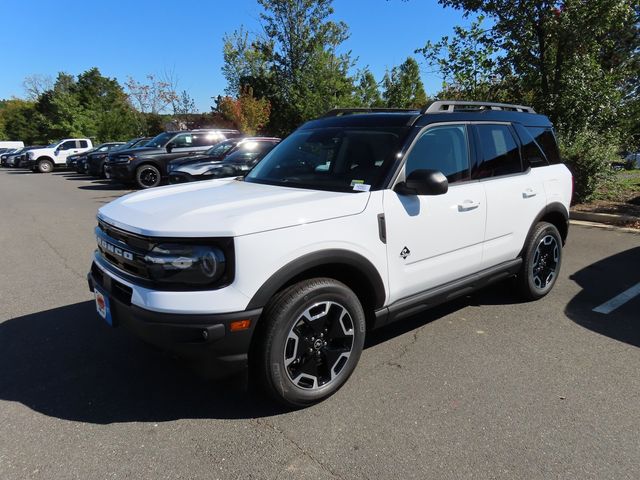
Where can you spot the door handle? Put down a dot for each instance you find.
(468, 205)
(529, 192)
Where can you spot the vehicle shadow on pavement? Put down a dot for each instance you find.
(67, 364)
(102, 185)
(501, 293)
(600, 282)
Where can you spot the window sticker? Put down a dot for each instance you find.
(360, 186)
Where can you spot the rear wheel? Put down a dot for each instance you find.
(541, 262)
(147, 176)
(45, 166)
(311, 341)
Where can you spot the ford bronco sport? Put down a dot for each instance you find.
(356, 220)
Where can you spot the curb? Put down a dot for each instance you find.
(606, 218)
(605, 226)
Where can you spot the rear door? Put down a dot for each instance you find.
(515, 192)
(432, 240)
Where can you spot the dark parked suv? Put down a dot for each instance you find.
(96, 160)
(146, 166)
(237, 161)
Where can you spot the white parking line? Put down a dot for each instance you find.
(615, 302)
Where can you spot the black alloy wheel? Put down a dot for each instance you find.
(308, 341)
(148, 176)
(541, 262)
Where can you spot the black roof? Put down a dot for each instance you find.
(441, 111)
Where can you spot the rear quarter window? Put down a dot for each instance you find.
(546, 139)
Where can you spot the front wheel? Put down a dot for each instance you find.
(147, 176)
(45, 166)
(541, 262)
(310, 342)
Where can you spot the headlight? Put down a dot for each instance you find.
(123, 159)
(197, 265)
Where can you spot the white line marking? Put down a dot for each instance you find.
(617, 301)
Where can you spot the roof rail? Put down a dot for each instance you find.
(441, 106)
(337, 112)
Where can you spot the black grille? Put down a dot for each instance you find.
(123, 250)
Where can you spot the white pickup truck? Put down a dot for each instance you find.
(45, 159)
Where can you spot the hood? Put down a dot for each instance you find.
(226, 207)
(179, 162)
(197, 168)
(138, 151)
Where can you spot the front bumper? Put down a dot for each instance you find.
(206, 338)
(120, 171)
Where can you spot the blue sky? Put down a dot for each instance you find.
(136, 37)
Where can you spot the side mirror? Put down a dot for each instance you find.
(423, 182)
(170, 146)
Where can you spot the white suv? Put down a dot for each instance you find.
(45, 159)
(356, 220)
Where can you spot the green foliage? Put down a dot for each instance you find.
(576, 61)
(367, 90)
(466, 62)
(17, 121)
(403, 87)
(589, 154)
(91, 106)
(293, 62)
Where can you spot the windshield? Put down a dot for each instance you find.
(219, 149)
(160, 140)
(248, 151)
(338, 159)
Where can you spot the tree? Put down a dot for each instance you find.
(35, 85)
(17, 121)
(184, 107)
(567, 54)
(367, 91)
(403, 87)
(467, 63)
(90, 106)
(293, 62)
(248, 113)
(244, 62)
(153, 96)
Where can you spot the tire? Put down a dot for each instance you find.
(148, 176)
(45, 166)
(541, 264)
(309, 342)
(102, 172)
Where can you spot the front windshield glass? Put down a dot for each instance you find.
(160, 140)
(219, 149)
(338, 158)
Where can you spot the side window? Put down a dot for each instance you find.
(83, 144)
(547, 141)
(532, 155)
(499, 153)
(68, 145)
(184, 140)
(443, 148)
(206, 139)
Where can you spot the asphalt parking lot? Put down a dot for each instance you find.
(485, 387)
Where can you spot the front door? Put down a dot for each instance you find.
(432, 240)
(65, 149)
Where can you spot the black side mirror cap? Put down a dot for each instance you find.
(423, 182)
(170, 146)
